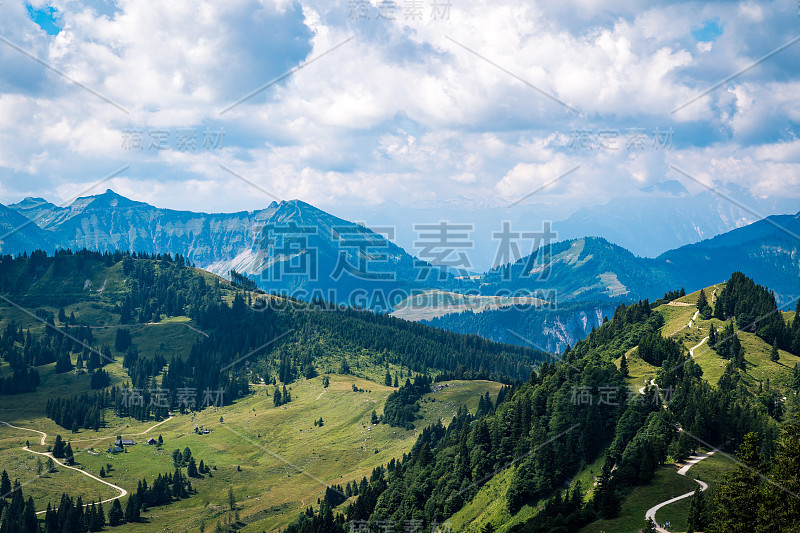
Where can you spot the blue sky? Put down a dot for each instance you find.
(474, 107)
(46, 17)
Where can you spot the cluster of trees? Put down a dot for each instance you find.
(17, 515)
(22, 352)
(280, 398)
(20, 381)
(727, 344)
(402, 405)
(420, 348)
(756, 311)
(335, 495)
(100, 379)
(186, 459)
(165, 489)
(703, 306)
(668, 297)
(761, 494)
(564, 511)
(123, 340)
(624, 331)
(84, 411)
(240, 281)
(62, 450)
(655, 349)
(161, 286)
(73, 517)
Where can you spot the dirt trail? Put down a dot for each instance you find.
(651, 513)
(122, 492)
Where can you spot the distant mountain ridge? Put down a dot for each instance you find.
(110, 221)
(265, 243)
(18, 233)
(768, 251)
(289, 246)
(664, 216)
(647, 221)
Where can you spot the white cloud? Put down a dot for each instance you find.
(400, 112)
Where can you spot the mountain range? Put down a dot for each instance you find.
(293, 247)
(647, 221)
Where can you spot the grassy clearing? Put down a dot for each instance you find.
(639, 370)
(275, 459)
(712, 471)
(22, 466)
(489, 505)
(665, 485)
(757, 352)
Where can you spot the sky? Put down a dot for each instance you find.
(355, 105)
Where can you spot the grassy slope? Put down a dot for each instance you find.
(272, 491)
(759, 369)
(759, 366)
(712, 471)
(285, 459)
(489, 505)
(665, 485)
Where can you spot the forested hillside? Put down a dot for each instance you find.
(542, 435)
(279, 342)
(562, 446)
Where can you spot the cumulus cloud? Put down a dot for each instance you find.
(410, 109)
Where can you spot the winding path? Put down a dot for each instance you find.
(145, 432)
(122, 492)
(696, 346)
(651, 513)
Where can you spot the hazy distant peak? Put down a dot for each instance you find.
(106, 199)
(671, 187)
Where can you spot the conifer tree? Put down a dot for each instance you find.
(58, 448)
(738, 500)
(697, 512)
(701, 300)
(276, 397)
(115, 515)
(132, 510)
(69, 456)
(5, 485)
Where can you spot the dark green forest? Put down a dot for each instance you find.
(282, 342)
(547, 423)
